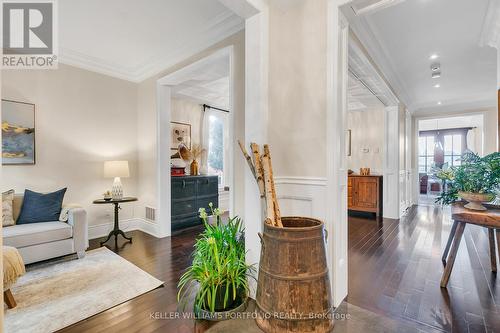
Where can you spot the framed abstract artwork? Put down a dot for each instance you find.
(180, 133)
(18, 133)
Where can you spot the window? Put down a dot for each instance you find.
(452, 149)
(426, 153)
(216, 148)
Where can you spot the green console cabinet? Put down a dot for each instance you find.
(190, 193)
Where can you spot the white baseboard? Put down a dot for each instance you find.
(101, 230)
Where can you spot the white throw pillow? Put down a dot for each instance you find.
(7, 216)
(63, 217)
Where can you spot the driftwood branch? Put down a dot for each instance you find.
(262, 170)
(277, 212)
(268, 191)
(259, 172)
(248, 158)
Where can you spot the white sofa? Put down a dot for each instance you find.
(46, 240)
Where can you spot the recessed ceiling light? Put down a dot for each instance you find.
(437, 85)
(436, 75)
(433, 56)
(439, 103)
(435, 67)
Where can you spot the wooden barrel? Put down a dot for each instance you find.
(293, 290)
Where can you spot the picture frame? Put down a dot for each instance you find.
(180, 133)
(18, 133)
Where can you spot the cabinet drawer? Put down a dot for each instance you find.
(183, 207)
(208, 186)
(183, 188)
(179, 223)
(203, 202)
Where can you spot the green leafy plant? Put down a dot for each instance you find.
(476, 174)
(219, 269)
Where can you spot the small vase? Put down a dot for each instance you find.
(475, 200)
(194, 168)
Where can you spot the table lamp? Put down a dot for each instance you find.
(116, 169)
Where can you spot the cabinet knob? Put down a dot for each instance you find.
(183, 184)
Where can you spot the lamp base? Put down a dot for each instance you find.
(117, 189)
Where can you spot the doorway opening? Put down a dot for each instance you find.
(441, 143)
(194, 113)
(373, 134)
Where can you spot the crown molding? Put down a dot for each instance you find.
(221, 27)
(490, 33)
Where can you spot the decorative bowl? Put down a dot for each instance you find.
(475, 200)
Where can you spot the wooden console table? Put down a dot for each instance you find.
(461, 216)
(364, 193)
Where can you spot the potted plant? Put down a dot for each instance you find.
(219, 270)
(475, 180)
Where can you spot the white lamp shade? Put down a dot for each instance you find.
(114, 169)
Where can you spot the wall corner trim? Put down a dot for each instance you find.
(101, 230)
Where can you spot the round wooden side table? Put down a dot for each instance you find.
(116, 229)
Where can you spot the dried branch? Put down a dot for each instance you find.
(248, 158)
(259, 172)
(277, 212)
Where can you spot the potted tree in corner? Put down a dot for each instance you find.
(218, 275)
(476, 180)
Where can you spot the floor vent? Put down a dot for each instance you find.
(150, 213)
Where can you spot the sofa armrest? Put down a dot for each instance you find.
(77, 218)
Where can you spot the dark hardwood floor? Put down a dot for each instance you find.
(394, 270)
(166, 259)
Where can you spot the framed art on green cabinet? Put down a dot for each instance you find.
(18, 133)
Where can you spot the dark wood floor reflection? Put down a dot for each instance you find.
(395, 269)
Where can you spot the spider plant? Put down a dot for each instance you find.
(476, 174)
(219, 270)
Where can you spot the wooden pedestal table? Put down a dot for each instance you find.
(461, 216)
(116, 229)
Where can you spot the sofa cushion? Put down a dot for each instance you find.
(17, 203)
(7, 211)
(21, 235)
(39, 207)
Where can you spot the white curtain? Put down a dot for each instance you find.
(205, 138)
(205, 141)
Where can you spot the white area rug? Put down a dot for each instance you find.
(57, 295)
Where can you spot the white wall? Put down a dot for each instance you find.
(297, 87)
(367, 139)
(188, 112)
(82, 119)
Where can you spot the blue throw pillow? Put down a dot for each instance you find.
(39, 207)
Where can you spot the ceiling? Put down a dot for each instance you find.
(402, 37)
(134, 40)
(207, 83)
(367, 88)
(359, 98)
